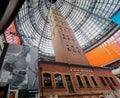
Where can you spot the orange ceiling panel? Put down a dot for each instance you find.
(106, 52)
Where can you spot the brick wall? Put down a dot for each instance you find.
(73, 71)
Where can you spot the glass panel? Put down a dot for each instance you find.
(69, 84)
(58, 80)
(89, 20)
(47, 80)
(26, 94)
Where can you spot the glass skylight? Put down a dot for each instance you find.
(89, 20)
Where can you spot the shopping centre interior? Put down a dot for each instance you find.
(60, 49)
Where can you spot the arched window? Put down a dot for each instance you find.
(87, 81)
(47, 80)
(113, 81)
(94, 81)
(58, 80)
(79, 81)
(102, 81)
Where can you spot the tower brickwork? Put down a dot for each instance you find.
(66, 46)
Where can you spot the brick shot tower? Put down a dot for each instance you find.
(66, 46)
(71, 75)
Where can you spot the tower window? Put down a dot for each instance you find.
(61, 29)
(63, 36)
(47, 80)
(72, 38)
(103, 81)
(68, 48)
(73, 48)
(65, 30)
(68, 37)
(94, 81)
(79, 51)
(87, 81)
(62, 24)
(56, 17)
(69, 31)
(59, 18)
(79, 81)
(58, 80)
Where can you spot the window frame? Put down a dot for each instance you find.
(61, 78)
(88, 84)
(102, 80)
(94, 81)
(82, 83)
(50, 80)
(112, 80)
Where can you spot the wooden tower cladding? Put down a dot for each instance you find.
(66, 46)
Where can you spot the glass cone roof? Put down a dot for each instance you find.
(89, 20)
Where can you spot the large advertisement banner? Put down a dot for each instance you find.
(11, 34)
(20, 67)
